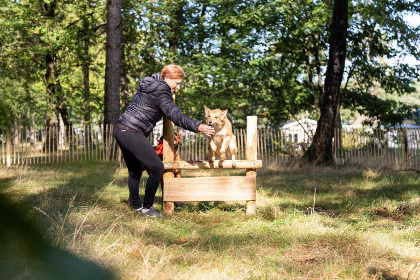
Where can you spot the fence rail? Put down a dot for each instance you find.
(394, 148)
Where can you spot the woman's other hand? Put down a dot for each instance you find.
(207, 130)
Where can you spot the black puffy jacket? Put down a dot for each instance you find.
(152, 101)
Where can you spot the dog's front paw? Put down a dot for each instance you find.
(213, 159)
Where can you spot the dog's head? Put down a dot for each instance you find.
(216, 117)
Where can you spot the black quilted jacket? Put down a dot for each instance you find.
(152, 101)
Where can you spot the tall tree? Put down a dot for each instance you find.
(321, 150)
(113, 62)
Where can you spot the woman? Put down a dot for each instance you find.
(152, 101)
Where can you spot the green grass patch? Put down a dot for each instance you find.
(364, 224)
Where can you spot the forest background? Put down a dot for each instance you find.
(265, 57)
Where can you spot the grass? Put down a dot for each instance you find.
(365, 224)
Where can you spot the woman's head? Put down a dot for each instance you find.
(173, 75)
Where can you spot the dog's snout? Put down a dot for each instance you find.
(210, 122)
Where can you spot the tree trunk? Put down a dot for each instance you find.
(16, 139)
(86, 63)
(8, 146)
(201, 31)
(175, 25)
(125, 95)
(50, 78)
(33, 130)
(321, 152)
(113, 62)
(62, 108)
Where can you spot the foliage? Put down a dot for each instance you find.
(264, 57)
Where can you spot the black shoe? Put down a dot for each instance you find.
(138, 207)
(151, 212)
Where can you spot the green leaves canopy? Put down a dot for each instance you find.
(262, 57)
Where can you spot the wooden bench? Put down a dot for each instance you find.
(227, 188)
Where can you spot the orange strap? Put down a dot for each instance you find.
(159, 148)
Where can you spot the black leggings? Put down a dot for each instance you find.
(139, 155)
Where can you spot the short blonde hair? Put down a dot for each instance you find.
(172, 71)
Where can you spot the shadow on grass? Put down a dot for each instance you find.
(342, 193)
(87, 182)
(81, 184)
(25, 253)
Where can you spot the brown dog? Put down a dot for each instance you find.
(222, 144)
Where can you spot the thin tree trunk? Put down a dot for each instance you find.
(308, 65)
(321, 151)
(16, 123)
(86, 63)
(113, 62)
(50, 78)
(124, 81)
(318, 72)
(33, 129)
(201, 33)
(175, 24)
(8, 146)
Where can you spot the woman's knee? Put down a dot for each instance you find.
(134, 173)
(157, 168)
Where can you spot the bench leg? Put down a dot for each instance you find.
(168, 208)
(251, 208)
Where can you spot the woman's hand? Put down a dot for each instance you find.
(207, 130)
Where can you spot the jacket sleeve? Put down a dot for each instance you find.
(172, 112)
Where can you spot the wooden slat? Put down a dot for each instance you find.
(243, 144)
(36, 151)
(3, 159)
(8, 146)
(232, 188)
(55, 143)
(96, 143)
(87, 134)
(217, 164)
(22, 154)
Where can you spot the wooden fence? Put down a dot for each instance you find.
(394, 148)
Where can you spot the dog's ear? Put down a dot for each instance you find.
(207, 110)
(224, 113)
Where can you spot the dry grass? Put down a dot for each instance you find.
(365, 224)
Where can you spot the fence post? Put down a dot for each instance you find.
(251, 154)
(168, 155)
(405, 146)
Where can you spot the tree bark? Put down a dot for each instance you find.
(50, 78)
(86, 64)
(308, 64)
(175, 24)
(321, 152)
(201, 33)
(33, 130)
(8, 146)
(113, 62)
(125, 95)
(16, 123)
(318, 72)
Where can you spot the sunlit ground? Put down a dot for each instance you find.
(358, 224)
